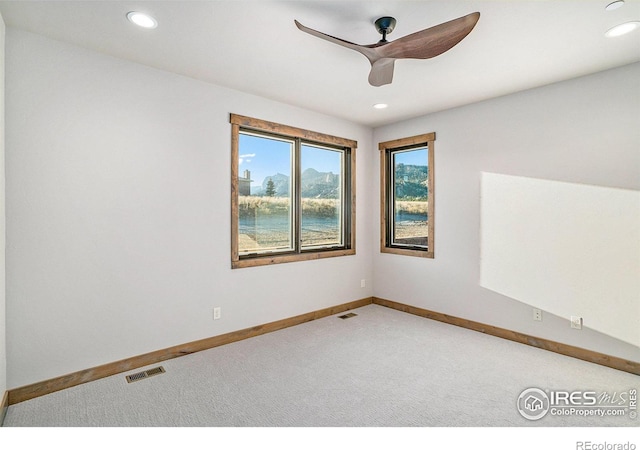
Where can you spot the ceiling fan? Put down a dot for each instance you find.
(420, 45)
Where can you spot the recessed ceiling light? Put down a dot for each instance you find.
(142, 20)
(380, 105)
(621, 29)
(614, 5)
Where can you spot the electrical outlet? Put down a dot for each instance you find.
(537, 314)
(363, 283)
(576, 322)
(217, 311)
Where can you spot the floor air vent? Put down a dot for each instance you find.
(347, 316)
(146, 374)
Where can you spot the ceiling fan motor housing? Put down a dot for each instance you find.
(385, 25)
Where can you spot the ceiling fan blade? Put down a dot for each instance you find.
(420, 45)
(366, 51)
(432, 41)
(381, 72)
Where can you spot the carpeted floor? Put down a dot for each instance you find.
(381, 368)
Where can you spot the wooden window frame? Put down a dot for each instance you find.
(385, 148)
(242, 123)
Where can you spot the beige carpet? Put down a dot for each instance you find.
(381, 368)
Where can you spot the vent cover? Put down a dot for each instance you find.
(347, 316)
(146, 374)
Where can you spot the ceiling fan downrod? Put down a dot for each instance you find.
(385, 25)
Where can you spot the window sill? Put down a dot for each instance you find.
(279, 259)
(407, 252)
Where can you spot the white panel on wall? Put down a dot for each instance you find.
(570, 249)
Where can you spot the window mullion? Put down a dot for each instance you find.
(345, 219)
(297, 200)
(390, 197)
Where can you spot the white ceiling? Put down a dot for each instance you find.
(254, 46)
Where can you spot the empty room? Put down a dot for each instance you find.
(321, 214)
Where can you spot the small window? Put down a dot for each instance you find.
(407, 196)
(293, 194)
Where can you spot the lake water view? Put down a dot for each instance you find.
(271, 231)
(410, 228)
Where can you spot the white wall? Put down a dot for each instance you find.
(3, 345)
(580, 131)
(118, 198)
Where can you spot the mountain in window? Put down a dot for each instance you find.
(314, 184)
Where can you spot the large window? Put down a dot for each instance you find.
(293, 194)
(407, 197)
